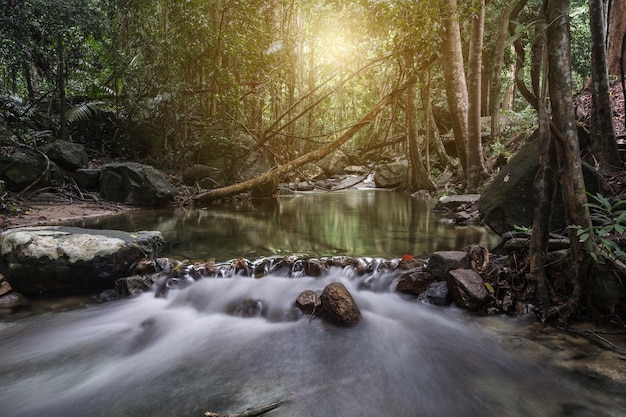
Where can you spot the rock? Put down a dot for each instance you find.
(136, 284)
(197, 172)
(87, 179)
(311, 172)
(507, 201)
(68, 155)
(58, 259)
(314, 267)
(356, 169)
(441, 262)
(451, 203)
(134, 183)
(307, 301)
(414, 282)
(409, 262)
(391, 175)
(5, 287)
(338, 306)
(248, 307)
(12, 299)
(467, 288)
(436, 293)
(22, 168)
(334, 163)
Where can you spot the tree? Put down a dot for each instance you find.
(567, 165)
(616, 36)
(475, 161)
(603, 131)
(454, 76)
(509, 12)
(418, 176)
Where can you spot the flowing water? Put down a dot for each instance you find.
(197, 351)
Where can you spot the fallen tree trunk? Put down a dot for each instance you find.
(279, 171)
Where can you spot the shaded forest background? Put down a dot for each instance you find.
(176, 83)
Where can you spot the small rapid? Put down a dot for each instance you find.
(193, 351)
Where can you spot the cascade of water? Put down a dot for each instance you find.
(206, 347)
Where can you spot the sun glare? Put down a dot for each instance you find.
(335, 44)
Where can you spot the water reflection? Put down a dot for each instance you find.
(358, 223)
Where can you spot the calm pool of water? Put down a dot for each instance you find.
(355, 223)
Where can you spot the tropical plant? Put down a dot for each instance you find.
(608, 219)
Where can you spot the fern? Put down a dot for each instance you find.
(85, 111)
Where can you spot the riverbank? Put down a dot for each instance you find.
(49, 208)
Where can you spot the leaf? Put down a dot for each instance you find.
(603, 200)
(622, 216)
(489, 288)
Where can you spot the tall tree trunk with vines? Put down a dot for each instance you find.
(565, 131)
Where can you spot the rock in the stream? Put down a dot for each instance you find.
(467, 288)
(414, 282)
(338, 306)
(391, 175)
(441, 262)
(136, 284)
(452, 203)
(8, 297)
(436, 293)
(58, 259)
(307, 301)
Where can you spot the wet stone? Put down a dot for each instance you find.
(467, 288)
(307, 301)
(338, 306)
(414, 282)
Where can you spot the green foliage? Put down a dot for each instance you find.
(608, 219)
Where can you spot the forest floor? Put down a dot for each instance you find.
(54, 206)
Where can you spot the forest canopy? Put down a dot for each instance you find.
(198, 81)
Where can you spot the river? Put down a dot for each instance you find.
(190, 352)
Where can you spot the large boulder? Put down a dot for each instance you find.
(22, 168)
(338, 306)
(68, 155)
(134, 183)
(391, 175)
(508, 200)
(57, 259)
(334, 163)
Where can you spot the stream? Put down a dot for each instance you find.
(194, 351)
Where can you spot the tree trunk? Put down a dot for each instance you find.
(603, 132)
(278, 172)
(544, 186)
(509, 12)
(475, 161)
(61, 86)
(616, 33)
(418, 176)
(564, 129)
(454, 77)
